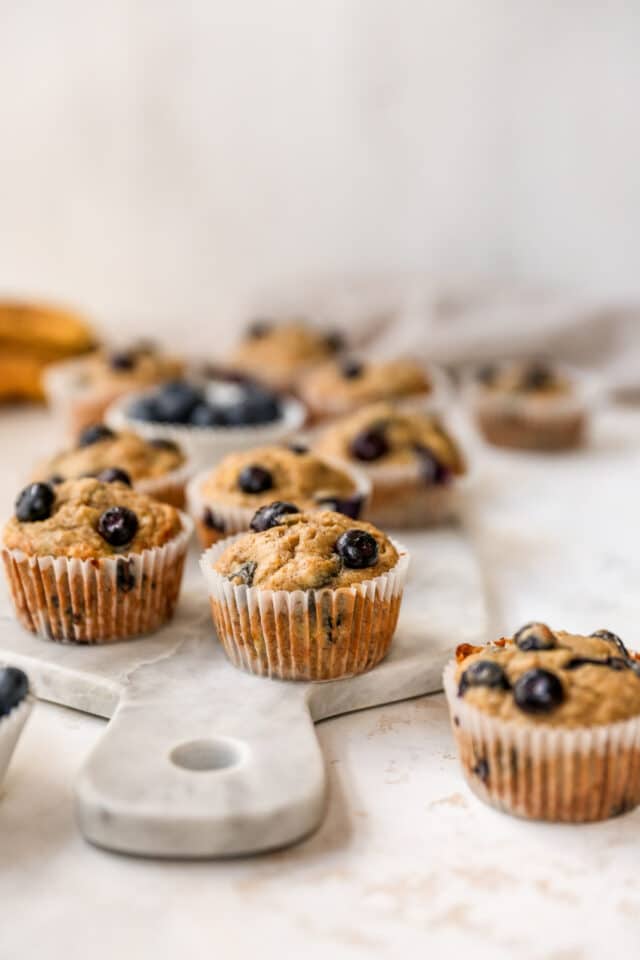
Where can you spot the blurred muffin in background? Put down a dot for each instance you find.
(81, 390)
(279, 352)
(345, 384)
(529, 405)
(412, 461)
(33, 335)
(156, 467)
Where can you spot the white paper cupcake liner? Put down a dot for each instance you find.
(77, 405)
(100, 600)
(207, 445)
(11, 727)
(546, 773)
(305, 635)
(215, 520)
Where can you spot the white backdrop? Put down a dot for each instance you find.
(164, 160)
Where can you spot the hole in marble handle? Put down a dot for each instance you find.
(212, 754)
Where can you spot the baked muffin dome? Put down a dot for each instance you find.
(68, 520)
(252, 478)
(276, 352)
(551, 678)
(308, 551)
(344, 385)
(99, 448)
(385, 435)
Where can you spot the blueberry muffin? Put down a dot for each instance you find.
(209, 418)
(305, 596)
(277, 353)
(528, 406)
(90, 562)
(82, 391)
(33, 335)
(222, 501)
(547, 723)
(346, 384)
(15, 706)
(413, 463)
(155, 467)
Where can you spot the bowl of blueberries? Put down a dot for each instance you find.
(209, 417)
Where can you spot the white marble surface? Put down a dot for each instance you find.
(406, 860)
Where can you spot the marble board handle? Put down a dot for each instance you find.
(221, 775)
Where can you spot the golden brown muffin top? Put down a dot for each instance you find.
(275, 351)
(549, 678)
(127, 368)
(303, 478)
(382, 435)
(71, 529)
(529, 378)
(141, 459)
(345, 384)
(301, 552)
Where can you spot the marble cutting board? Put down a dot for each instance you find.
(202, 760)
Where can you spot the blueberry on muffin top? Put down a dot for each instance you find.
(308, 551)
(550, 677)
(86, 519)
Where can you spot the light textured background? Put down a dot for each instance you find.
(166, 159)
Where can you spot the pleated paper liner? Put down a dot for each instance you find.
(207, 445)
(101, 600)
(546, 773)
(402, 499)
(305, 635)
(214, 520)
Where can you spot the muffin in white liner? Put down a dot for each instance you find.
(99, 600)
(16, 703)
(417, 470)
(553, 772)
(216, 520)
(322, 634)
(206, 445)
(548, 418)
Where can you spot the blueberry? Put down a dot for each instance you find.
(125, 577)
(55, 479)
(614, 663)
(14, 686)
(122, 360)
(537, 376)
(160, 443)
(94, 434)
(538, 691)
(433, 471)
(118, 526)
(349, 506)
(257, 406)
(298, 448)
(612, 638)
(483, 673)
(335, 341)
(271, 515)
(255, 479)
(114, 475)
(206, 415)
(211, 521)
(534, 636)
(350, 369)
(144, 408)
(370, 444)
(258, 329)
(34, 503)
(357, 549)
(176, 400)
(487, 374)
